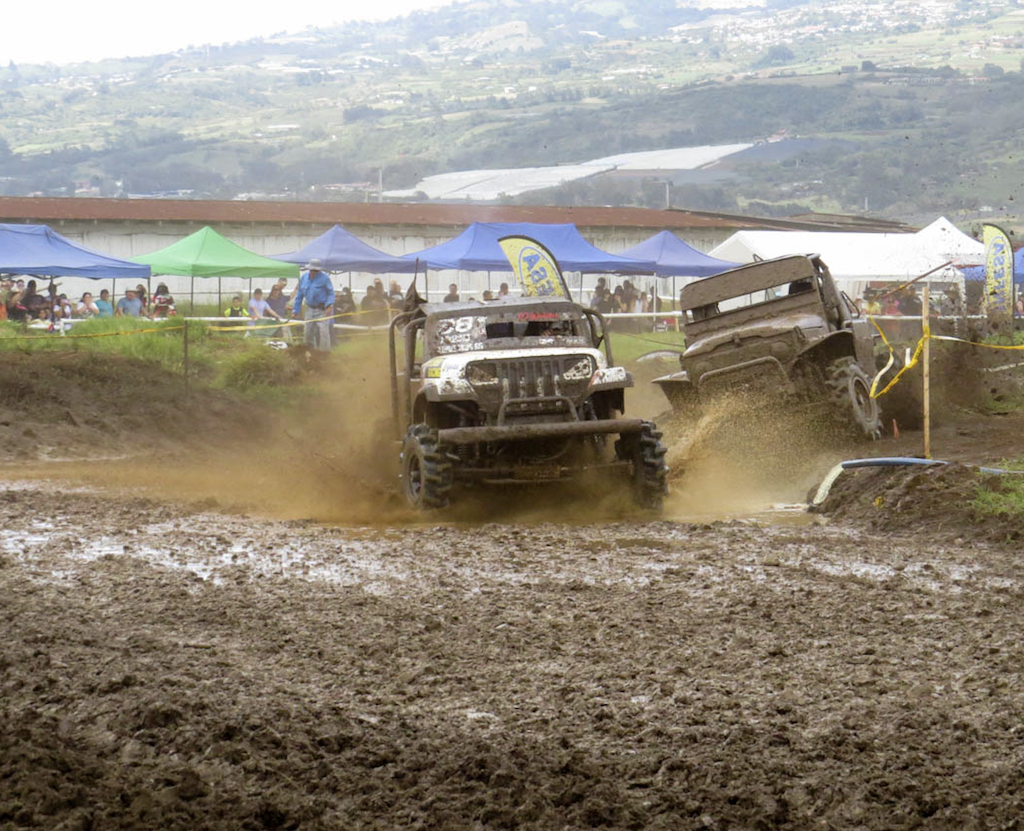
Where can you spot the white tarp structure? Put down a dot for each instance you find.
(857, 259)
(676, 158)
(488, 185)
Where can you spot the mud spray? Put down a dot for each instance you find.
(742, 456)
(334, 459)
(328, 458)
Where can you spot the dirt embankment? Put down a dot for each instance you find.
(127, 424)
(936, 502)
(79, 405)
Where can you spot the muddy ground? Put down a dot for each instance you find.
(263, 641)
(164, 665)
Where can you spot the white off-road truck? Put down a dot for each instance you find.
(514, 392)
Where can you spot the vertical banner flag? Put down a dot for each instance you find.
(535, 267)
(998, 272)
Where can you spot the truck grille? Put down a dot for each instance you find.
(531, 377)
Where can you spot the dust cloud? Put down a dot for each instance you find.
(329, 457)
(332, 456)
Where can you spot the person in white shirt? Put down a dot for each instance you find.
(86, 307)
(62, 308)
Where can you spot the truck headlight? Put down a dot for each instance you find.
(581, 370)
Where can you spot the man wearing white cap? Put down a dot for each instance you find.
(316, 289)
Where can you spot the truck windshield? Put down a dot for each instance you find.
(474, 332)
(754, 298)
(559, 327)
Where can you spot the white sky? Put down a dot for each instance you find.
(65, 31)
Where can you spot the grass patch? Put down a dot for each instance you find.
(628, 346)
(211, 353)
(1002, 495)
(1002, 403)
(1013, 339)
(266, 367)
(102, 334)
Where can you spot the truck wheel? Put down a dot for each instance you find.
(650, 473)
(426, 474)
(850, 391)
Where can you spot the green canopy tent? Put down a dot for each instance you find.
(207, 254)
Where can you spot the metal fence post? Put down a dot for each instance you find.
(184, 349)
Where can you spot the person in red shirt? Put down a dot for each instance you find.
(163, 303)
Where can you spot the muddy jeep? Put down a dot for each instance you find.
(779, 326)
(512, 392)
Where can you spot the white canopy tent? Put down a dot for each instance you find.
(856, 259)
(951, 243)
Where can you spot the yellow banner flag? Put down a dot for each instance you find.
(535, 267)
(998, 273)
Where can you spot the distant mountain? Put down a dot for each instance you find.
(910, 106)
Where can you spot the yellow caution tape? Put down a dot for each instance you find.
(263, 324)
(245, 325)
(926, 334)
(233, 327)
(241, 326)
(892, 359)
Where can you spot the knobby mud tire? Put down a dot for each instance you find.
(850, 392)
(427, 475)
(649, 479)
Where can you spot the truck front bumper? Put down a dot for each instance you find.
(517, 432)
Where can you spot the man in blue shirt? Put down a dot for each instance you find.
(316, 289)
(129, 305)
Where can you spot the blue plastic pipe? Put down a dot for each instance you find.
(888, 461)
(906, 461)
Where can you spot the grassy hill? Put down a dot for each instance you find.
(918, 108)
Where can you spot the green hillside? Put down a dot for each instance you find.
(913, 115)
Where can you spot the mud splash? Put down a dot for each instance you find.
(742, 457)
(333, 456)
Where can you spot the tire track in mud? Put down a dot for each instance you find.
(167, 666)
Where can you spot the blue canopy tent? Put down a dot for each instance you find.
(674, 258)
(339, 250)
(39, 250)
(477, 249)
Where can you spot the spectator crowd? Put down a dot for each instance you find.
(21, 301)
(625, 298)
